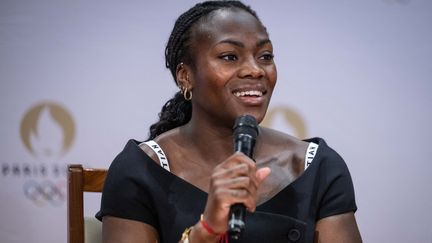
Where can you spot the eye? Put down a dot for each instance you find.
(228, 57)
(267, 57)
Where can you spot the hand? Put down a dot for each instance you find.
(235, 180)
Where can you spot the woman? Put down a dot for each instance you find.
(181, 184)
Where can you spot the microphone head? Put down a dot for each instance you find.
(246, 124)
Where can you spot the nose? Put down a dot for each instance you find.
(250, 68)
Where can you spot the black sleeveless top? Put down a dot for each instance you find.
(137, 188)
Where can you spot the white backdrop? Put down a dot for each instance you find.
(357, 73)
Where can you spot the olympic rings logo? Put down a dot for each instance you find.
(45, 192)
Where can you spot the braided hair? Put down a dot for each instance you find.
(178, 111)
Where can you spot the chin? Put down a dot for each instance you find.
(259, 115)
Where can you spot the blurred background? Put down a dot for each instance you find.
(79, 78)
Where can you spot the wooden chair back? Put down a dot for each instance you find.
(81, 180)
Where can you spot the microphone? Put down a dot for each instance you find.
(245, 133)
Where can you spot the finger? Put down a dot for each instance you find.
(242, 196)
(237, 170)
(238, 194)
(261, 174)
(243, 183)
(240, 182)
(227, 197)
(237, 158)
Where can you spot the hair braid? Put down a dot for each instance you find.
(178, 111)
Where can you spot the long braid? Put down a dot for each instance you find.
(178, 111)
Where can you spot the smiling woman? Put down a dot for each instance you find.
(221, 58)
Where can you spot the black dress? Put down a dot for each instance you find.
(137, 188)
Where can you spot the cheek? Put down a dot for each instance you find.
(216, 77)
(209, 83)
(220, 71)
(272, 76)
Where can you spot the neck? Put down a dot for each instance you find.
(212, 142)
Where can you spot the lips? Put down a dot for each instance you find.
(250, 96)
(252, 93)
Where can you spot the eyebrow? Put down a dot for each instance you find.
(240, 44)
(263, 42)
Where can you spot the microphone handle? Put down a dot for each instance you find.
(236, 224)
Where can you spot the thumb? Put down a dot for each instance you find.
(262, 173)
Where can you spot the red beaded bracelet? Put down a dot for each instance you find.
(223, 238)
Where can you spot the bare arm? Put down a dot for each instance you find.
(340, 228)
(118, 230)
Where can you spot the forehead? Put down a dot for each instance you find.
(229, 23)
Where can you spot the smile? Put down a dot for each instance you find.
(255, 93)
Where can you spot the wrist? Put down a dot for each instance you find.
(203, 232)
(200, 234)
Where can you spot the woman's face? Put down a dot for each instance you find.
(234, 71)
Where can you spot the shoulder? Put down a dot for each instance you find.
(335, 189)
(326, 155)
(129, 161)
(131, 168)
(162, 144)
(128, 176)
(286, 150)
(271, 139)
(147, 149)
(130, 152)
(279, 139)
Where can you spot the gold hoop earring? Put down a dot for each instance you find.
(187, 94)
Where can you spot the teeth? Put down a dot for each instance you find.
(249, 93)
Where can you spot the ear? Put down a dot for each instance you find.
(183, 76)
